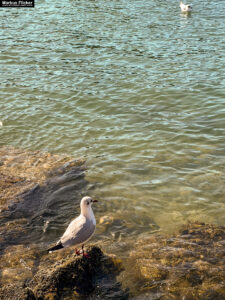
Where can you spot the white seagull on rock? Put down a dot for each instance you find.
(185, 7)
(80, 229)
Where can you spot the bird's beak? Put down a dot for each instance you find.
(94, 200)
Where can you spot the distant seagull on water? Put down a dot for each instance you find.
(80, 229)
(185, 8)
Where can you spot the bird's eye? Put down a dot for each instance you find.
(87, 203)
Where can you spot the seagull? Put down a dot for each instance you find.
(80, 230)
(185, 7)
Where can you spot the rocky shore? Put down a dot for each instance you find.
(71, 277)
(188, 265)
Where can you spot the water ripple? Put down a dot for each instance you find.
(135, 87)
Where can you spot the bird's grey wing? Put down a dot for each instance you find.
(79, 231)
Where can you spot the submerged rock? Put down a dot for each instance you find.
(22, 170)
(35, 189)
(189, 265)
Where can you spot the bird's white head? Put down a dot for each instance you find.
(186, 8)
(85, 205)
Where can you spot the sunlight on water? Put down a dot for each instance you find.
(136, 88)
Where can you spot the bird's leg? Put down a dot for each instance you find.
(84, 254)
(77, 252)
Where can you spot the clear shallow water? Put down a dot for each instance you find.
(136, 88)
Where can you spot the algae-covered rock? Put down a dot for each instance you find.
(74, 273)
(189, 265)
(71, 277)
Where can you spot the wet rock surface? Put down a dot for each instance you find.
(189, 265)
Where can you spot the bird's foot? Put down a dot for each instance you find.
(86, 255)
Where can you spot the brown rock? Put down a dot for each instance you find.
(189, 265)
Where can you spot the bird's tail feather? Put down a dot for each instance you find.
(56, 247)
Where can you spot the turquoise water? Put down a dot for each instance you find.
(134, 87)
